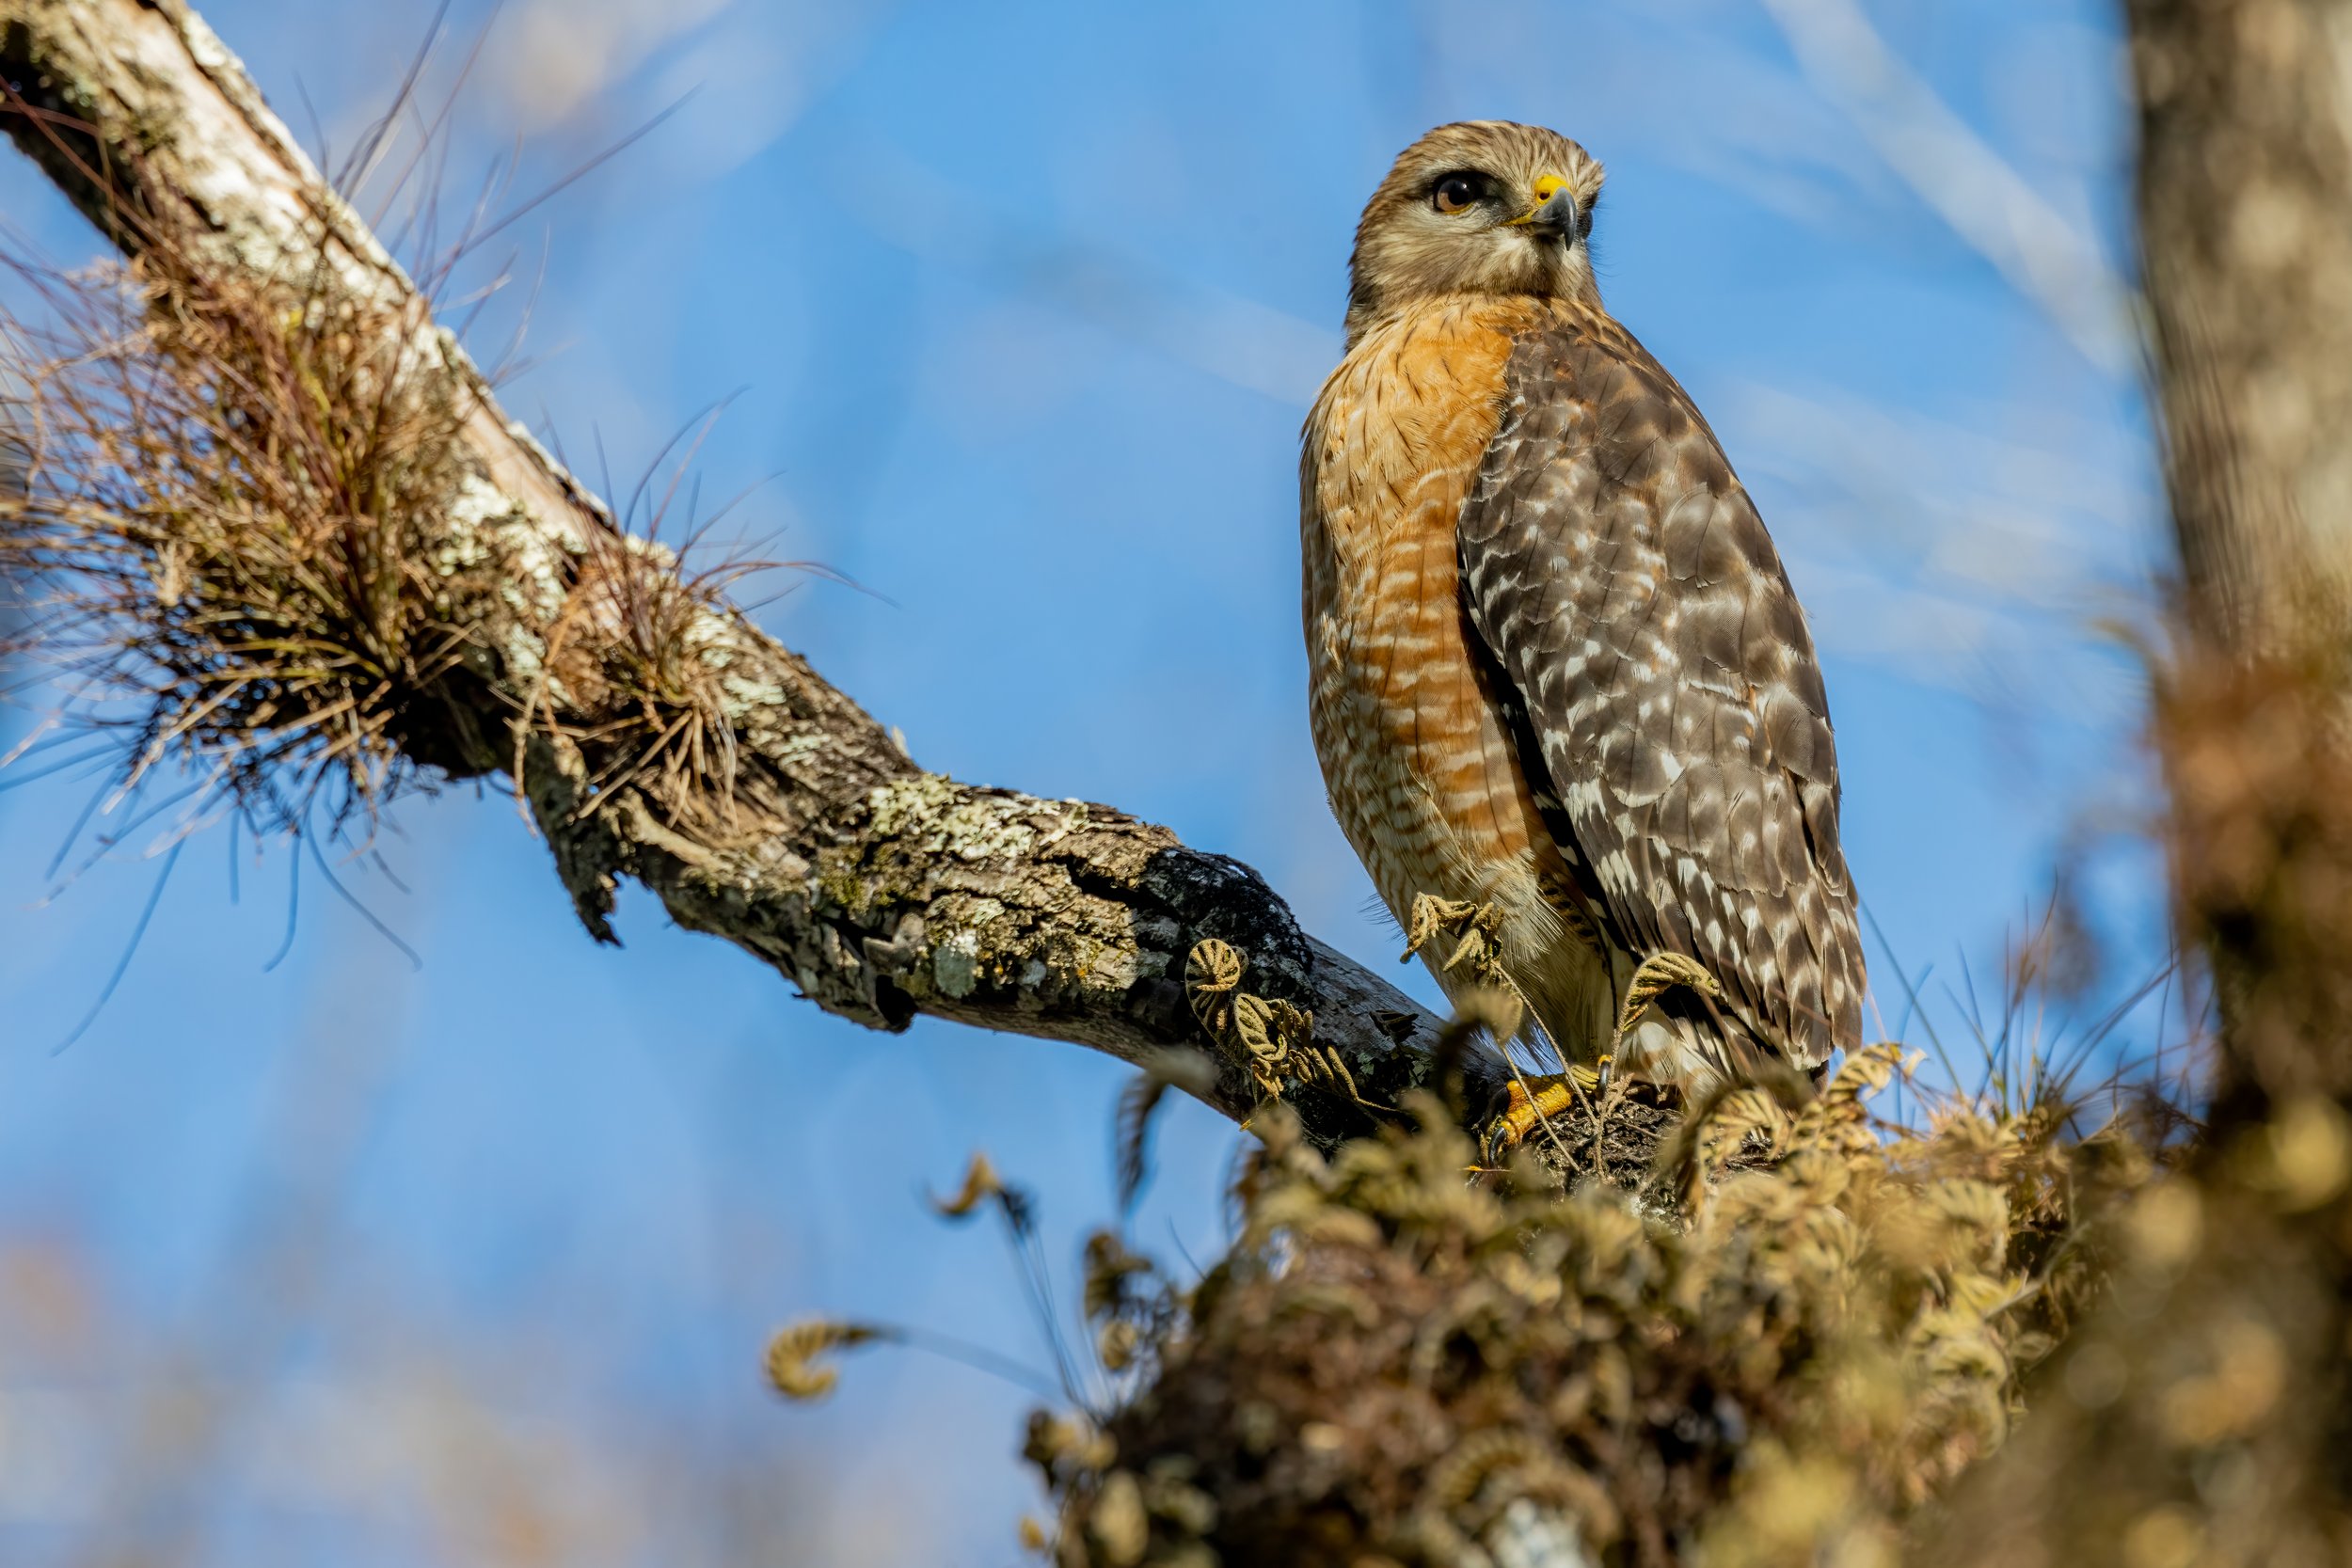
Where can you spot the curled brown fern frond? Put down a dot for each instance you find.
(795, 1356)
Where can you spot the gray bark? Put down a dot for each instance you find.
(880, 890)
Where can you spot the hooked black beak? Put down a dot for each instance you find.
(1557, 216)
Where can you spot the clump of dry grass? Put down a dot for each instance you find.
(259, 544)
(223, 551)
(1398, 1364)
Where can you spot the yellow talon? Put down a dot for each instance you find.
(1523, 1113)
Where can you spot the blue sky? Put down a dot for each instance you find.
(1019, 308)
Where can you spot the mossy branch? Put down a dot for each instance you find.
(279, 507)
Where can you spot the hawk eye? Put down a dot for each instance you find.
(1457, 192)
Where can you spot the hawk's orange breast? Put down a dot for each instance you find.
(1423, 773)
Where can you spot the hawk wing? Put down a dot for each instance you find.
(1619, 575)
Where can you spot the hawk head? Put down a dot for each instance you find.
(1485, 207)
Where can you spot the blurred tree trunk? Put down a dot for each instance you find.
(2246, 226)
(2205, 1417)
(2245, 167)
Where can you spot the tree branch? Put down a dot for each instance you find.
(880, 890)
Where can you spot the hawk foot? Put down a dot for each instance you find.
(1479, 928)
(1523, 1112)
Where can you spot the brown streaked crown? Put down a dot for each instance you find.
(1419, 237)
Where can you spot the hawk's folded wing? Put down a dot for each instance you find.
(1618, 573)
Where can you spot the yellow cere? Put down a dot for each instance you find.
(1544, 189)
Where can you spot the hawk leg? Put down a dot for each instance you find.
(1534, 1101)
(1478, 946)
(1530, 1103)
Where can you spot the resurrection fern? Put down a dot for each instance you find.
(1401, 1364)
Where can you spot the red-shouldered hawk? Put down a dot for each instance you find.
(1562, 690)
